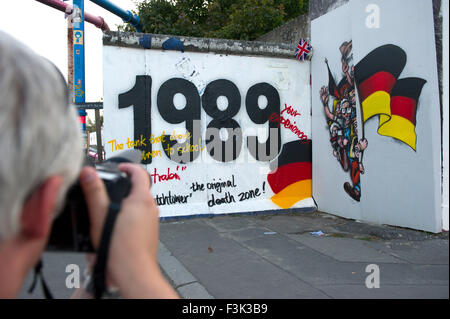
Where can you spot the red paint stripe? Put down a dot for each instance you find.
(355, 172)
(405, 107)
(381, 81)
(288, 174)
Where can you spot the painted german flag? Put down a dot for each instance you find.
(381, 93)
(291, 174)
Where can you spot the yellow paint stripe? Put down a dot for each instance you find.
(379, 103)
(376, 103)
(400, 128)
(293, 193)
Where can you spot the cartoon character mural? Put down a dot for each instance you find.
(391, 69)
(342, 122)
(380, 93)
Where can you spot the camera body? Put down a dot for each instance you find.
(71, 229)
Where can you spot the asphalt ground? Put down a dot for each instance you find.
(285, 256)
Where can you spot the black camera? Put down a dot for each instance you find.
(71, 229)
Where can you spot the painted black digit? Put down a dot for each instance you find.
(140, 98)
(189, 114)
(228, 150)
(262, 151)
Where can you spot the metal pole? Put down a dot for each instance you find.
(70, 55)
(126, 15)
(98, 131)
(99, 22)
(79, 59)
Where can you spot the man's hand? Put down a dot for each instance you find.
(361, 168)
(345, 66)
(97, 201)
(363, 144)
(324, 95)
(132, 262)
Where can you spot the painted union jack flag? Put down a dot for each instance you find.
(302, 51)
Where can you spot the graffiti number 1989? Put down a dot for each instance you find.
(139, 97)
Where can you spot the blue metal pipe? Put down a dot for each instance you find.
(126, 15)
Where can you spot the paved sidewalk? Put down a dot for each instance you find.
(276, 256)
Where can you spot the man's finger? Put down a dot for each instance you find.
(95, 194)
(140, 181)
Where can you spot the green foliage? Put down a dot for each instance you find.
(90, 125)
(229, 19)
(293, 8)
(250, 19)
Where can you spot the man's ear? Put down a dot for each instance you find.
(37, 211)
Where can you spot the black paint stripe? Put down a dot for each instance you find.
(389, 58)
(293, 152)
(409, 87)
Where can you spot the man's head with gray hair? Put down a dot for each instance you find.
(42, 156)
(39, 131)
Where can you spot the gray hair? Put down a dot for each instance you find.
(39, 130)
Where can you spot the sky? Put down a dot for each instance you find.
(44, 30)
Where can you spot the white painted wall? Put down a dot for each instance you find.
(445, 115)
(328, 176)
(400, 186)
(288, 76)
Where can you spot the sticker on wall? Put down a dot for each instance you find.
(303, 51)
(189, 72)
(78, 37)
(282, 78)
